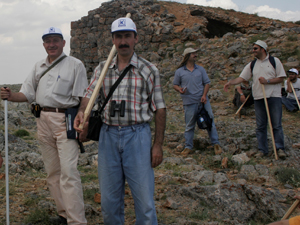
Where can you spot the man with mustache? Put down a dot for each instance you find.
(289, 101)
(271, 76)
(57, 83)
(125, 150)
(192, 82)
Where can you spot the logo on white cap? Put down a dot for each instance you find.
(122, 23)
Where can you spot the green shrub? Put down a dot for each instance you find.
(204, 215)
(89, 194)
(21, 133)
(38, 216)
(288, 176)
(292, 37)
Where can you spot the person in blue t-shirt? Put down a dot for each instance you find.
(192, 82)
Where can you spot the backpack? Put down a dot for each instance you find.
(203, 119)
(271, 59)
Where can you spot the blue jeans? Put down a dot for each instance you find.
(125, 153)
(190, 115)
(290, 104)
(275, 110)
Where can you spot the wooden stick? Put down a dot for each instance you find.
(99, 83)
(291, 210)
(269, 119)
(242, 105)
(295, 95)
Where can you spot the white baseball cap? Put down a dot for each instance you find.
(189, 50)
(123, 24)
(293, 70)
(261, 44)
(52, 31)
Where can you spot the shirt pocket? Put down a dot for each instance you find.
(62, 87)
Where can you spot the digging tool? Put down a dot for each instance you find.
(92, 100)
(291, 210)
(6, 161)
(293, 89)
(270, 123)
(238, 111)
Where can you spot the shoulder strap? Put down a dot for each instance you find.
(271, 59)
(252, 64)
(115, 85)
(54, 64)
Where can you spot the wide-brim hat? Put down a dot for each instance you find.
(189, 50)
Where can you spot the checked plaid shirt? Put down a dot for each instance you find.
(140, 89)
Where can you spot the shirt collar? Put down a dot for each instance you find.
(46, 61)
(195, 67)
(133, 61)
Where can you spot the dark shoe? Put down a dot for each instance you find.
(57, 220)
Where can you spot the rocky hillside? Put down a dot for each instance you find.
(231, 188)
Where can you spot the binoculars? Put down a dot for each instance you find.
(117, 107)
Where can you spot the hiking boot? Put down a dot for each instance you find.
(281, 154)
(185, 152)
(57, 220)
(259, 155)
(218, 149)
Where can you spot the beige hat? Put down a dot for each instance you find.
(189, 50)
(261, 44)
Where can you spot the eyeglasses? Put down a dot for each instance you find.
(255, 48)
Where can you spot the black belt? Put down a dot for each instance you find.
(58, 110)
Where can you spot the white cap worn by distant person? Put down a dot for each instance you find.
(293, 70)
(189, 50)
(52, 31)
(261, 44)
(123, 24)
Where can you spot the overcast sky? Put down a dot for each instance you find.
(23, 22)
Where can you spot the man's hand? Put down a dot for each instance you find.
(77, 121)
(83, 134)
(226, 86)
(181, 90)
(262, 80)
(203, 99)
(1, 161)
(5, 93)
(157, 155)
(242, 98)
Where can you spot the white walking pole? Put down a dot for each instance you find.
(6, 162)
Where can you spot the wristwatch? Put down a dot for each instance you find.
(241, 94)
(268, 81)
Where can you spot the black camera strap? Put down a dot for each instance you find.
(54, 64)
(113, 88)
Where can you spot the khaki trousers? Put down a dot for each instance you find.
(60, 156)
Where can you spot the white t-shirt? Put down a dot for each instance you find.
(263, 68)
(296, 86)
